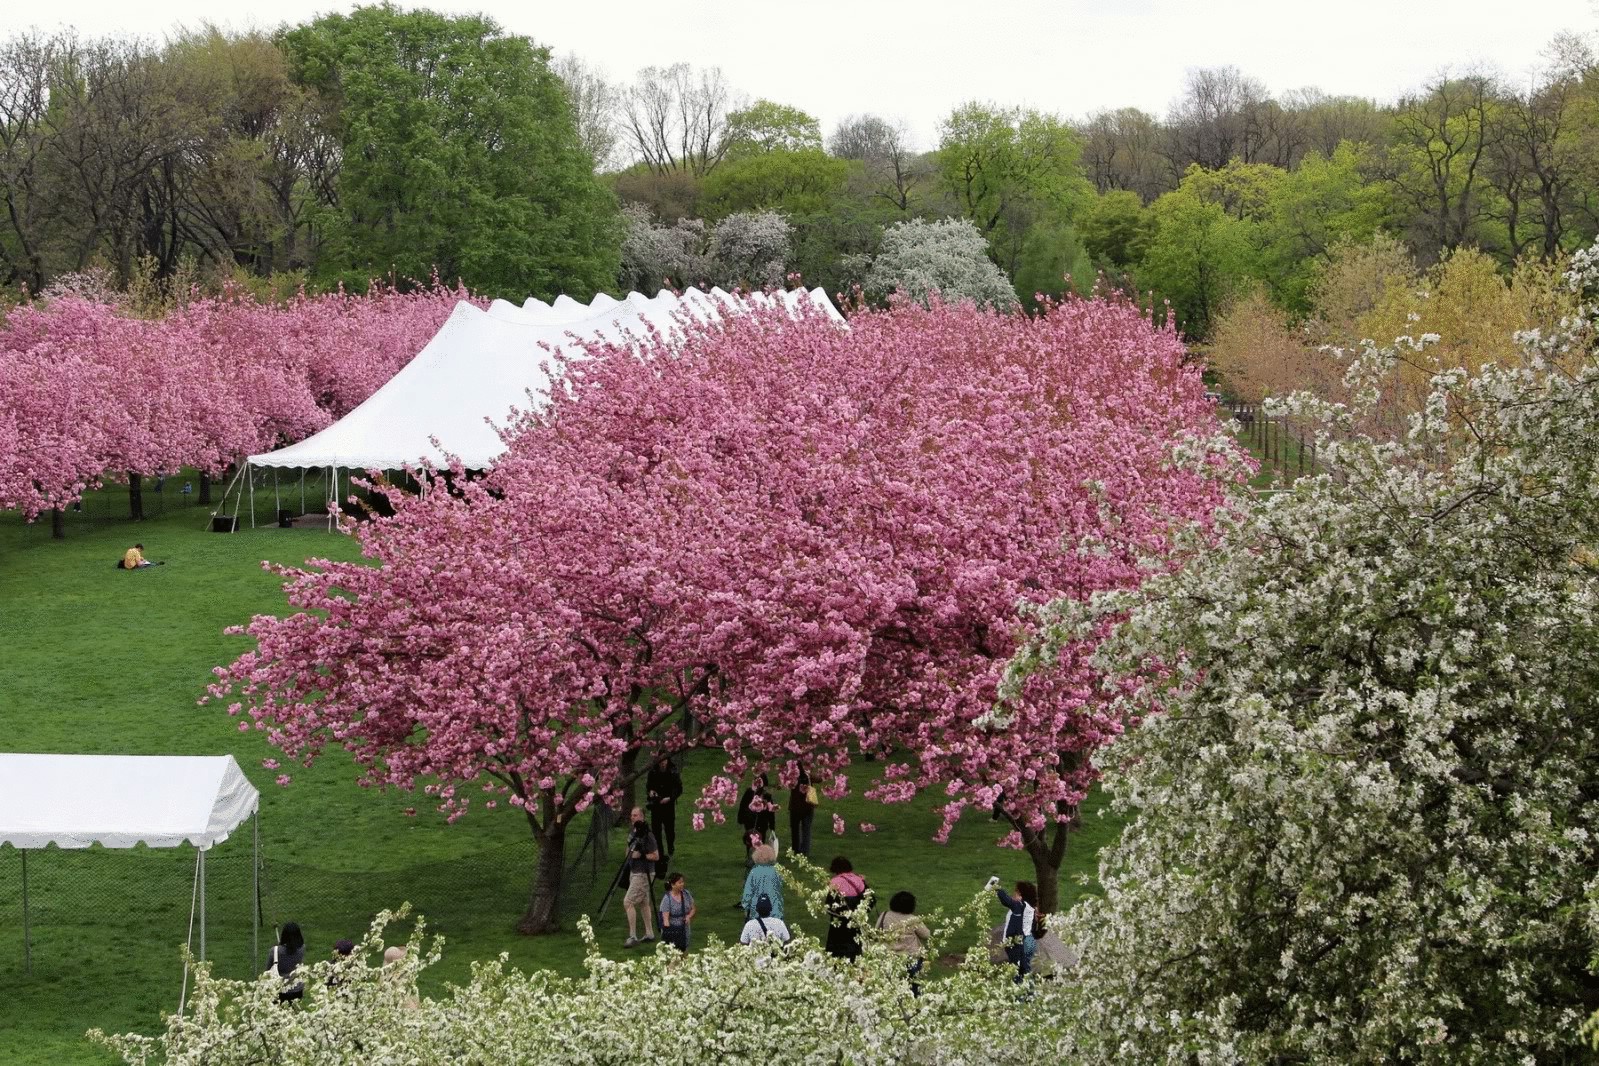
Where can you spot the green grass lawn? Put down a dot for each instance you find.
(93, 659)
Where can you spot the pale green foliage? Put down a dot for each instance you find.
(1365, 793)
(948, 257)
(720, 1003)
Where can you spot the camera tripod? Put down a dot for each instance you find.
(621, 878)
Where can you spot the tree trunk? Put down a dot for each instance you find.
(1047, 877)
(205, 488)
(1047, 855)
(544, 897)
(629, 768)
(135, 497)
(58, 524)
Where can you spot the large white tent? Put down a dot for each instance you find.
(120, 801)
(483, 364)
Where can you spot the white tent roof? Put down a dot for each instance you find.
(482, 364)
(74, 801)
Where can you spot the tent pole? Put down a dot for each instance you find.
(202, 904)
(252, 501)
(277, 504)
(302, 490)
(255, 886)
(183, 994)
(27, 925)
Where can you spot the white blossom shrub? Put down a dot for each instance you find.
(747, 250)
(1364, 796)
(750, 249)
(949, 257)
(656, 256)
(719, 1003)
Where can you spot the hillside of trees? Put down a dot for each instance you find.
(398, 144)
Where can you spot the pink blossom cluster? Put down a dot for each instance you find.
(87, 391)
(810, 541)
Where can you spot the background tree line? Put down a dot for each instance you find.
(399, 143)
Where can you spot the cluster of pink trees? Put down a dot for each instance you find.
(88, 392)
(791, 540)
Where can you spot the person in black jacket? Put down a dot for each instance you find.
(757, 816)
(284, 958)
(801, 812)
(662, 788)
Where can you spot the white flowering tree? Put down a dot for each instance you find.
(746, 249)
(719, 1003)
(949, 257)
(1364, 798)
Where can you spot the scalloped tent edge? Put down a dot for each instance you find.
(482, 366)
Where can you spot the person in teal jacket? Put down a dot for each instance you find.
(763, 878)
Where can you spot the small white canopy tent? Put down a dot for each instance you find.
(482, 364)
(119, 801)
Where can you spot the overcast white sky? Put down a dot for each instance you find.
(918, 60)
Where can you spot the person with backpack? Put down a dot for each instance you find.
(845, 894)
(677, 912)
(764, 926)
(1023, 927)
(286, 956)
(763, 881)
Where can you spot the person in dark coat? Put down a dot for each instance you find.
(662, 787)
(846, 892)
(286, 956)
(801, 812)
(1022, 928)
(757, 816)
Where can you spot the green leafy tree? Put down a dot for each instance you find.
(1318, 206)
(1008, 168)
(460, 153)
(793, 181)
(765, 126)
(1199, 255)
(1115, 229)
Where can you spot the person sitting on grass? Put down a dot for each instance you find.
(133, 559)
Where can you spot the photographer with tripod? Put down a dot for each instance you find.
(642, 854)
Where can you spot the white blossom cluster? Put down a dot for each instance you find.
(744, 250)
(949, 257)
(719, 1003)
(1364, 796)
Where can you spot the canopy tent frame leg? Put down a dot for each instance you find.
(277, 503)
(255, 886)
(222, 507)
(183, 994)
(202, 904)
(302, 490)
(27, 921)
(252, 500)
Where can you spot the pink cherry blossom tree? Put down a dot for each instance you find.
(783, 538)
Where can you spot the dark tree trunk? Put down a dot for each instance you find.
(544, 898)
(629, 777)
(58, 524)
(1048, 851)
(135, 497)
(205, 488)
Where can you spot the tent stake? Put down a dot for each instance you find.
(27, 927)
